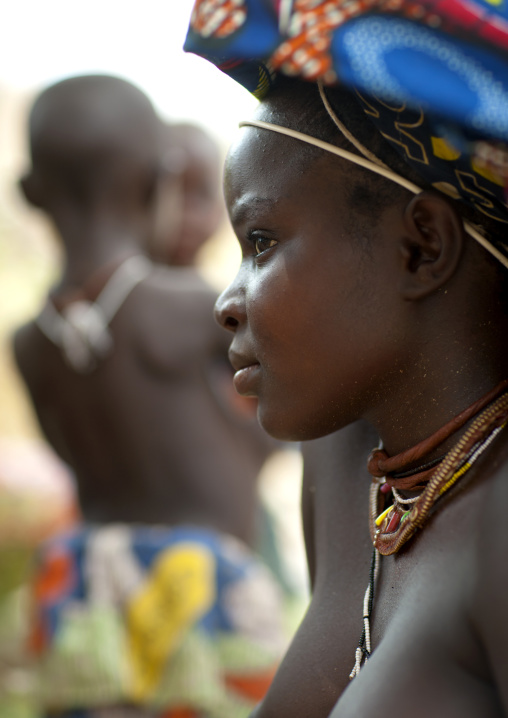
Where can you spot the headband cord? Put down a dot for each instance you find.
(344, 130)
(368, 164)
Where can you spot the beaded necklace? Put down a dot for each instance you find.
(392, 527)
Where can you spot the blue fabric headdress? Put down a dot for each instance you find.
(431, 74)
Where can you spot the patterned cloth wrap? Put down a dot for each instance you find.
(182, 622)
(431, 74)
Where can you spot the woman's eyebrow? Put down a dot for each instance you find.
(249, 207)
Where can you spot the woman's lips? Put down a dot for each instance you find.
(244, 379)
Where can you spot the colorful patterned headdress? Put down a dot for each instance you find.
(432, 75)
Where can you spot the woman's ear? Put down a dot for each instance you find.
(432, 245)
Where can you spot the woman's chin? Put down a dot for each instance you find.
(286, 428)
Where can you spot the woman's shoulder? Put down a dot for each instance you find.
(490, 581)
(493, 515)
(490, 534)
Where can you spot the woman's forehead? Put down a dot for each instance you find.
(254, 171)
(258, 149)
(258, 159)
(265, 170)
(253, 140)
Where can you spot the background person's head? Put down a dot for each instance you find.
(190, 205)
(94, 144)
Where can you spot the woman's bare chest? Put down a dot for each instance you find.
(425, 651)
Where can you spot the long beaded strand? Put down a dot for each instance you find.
(364, 646)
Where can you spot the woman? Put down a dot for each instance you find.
(373, 286)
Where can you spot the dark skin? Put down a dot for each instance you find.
(189, 205)
(315, 669)
(146, 433)
(403, 334)
(188, 209)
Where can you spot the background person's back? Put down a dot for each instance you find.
(144, 432)
(153, 603)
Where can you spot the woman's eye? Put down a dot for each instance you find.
(261, 244)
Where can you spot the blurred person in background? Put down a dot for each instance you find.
(190, 205)
(156, 606)
(189, 208)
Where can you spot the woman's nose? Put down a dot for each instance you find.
(230, 308)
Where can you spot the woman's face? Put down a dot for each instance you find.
(315, 321)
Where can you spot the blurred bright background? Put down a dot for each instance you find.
(43, 42)
(141, 41)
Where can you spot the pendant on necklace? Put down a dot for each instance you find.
(390, 519)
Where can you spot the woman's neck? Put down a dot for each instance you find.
(432, 392)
